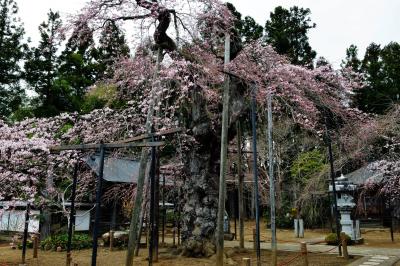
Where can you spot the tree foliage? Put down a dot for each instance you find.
(12, 51)
(286, 31)
(381, 68)
(112, 46)
(248, 29)
(41, 69)
(77, 67)
(352, 58)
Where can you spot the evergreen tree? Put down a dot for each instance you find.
(77, 70)
(390, 55)
(287, 32)
(248, 29)
(251, 30)
(41, 69)
(352, 58)
(12, 51)
(372, 66)
(381, 67)
(112, 46)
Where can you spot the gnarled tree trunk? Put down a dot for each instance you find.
(202, 165)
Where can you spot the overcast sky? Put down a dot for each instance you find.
(339, 22)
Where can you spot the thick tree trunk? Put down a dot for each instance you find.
(202, 166)
(201, 185)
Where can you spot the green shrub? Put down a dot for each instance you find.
(23, 113)
(100, 96)
(283, 217)
(171, 217)
(331, 239)
(29, 244)
(64, 129)
(79, 241)
(91, 103)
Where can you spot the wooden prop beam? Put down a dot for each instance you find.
(113, 145)
(148, 136)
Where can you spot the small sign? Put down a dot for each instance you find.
(117, 170)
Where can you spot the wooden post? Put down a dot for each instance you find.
(271, 182)
(111, 240)
(139, 237)
(224, 151)
(133, 228)
(143, 214)
(152, 206)
(391, 227)
(157, 206)
(179, 216)
(164, 211)
(174, 222)
(304, 253)
(332, 174)
(240, 190)
(114, 214)
(344, 245)
(232, 211)
(35, 246)
(255, 171)
(25, 239)
(98, 207)
(72, 214)
(254, 239)
(246, 261)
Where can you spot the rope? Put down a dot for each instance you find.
(326, 251)
(290, 260)
(287, 262)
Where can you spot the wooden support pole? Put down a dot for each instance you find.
(304, 253)
(25, 239)
(152, 206)
(254, 239)
(98, 207)
(143, 215)
(164, 211)
(246, 261)
(223, 159)
(111, 240)
(391, 222)
(133, 228)
(344, 245)
(174, 223)
(332, 175)
(240, 190)
(72, 214)
(255, 172)
(139, 237)
(274, 260)
(114, 214)
(35, 246)
(179, 217)
(156, 205)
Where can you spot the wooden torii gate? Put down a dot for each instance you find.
(137, 141)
